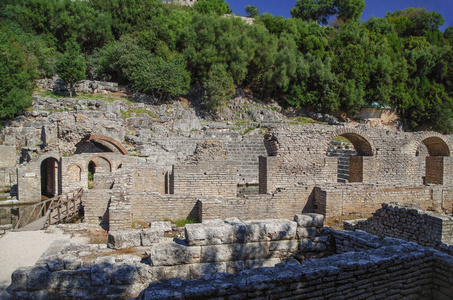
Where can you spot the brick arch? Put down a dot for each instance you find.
(93, 159)
(436, 143)
(116, 145)
(362, 143)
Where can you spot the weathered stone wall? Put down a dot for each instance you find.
(389, 269)
(209, 248)
(411, 223)
(150, 206)
(216, 178)
(362, 199)
(74, 169)
(298, 154)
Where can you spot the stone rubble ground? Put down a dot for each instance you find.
(23, 249)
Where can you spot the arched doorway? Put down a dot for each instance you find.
(434, 149)
(49, 177)
(97, 164)
(350, 149)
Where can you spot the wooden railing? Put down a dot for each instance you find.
(51, 211)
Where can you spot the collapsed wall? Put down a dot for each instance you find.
(411, 223)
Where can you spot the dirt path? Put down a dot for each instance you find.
(23, 249)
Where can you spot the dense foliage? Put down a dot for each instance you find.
(402, 60)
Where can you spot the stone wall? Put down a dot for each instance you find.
(209, 248)
(299, 154)
(411, 223)
(216, 178)
(393, 270)
(363, 199)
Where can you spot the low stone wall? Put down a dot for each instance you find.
(411, 223)
(91, 271)
(361, 199)
(395, 270)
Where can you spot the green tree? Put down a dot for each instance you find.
(349, 10)
(71, 67)
(17, 74)
(219, 7)
(314, 10)
(129, 63)
(219, 87)
(252, 11)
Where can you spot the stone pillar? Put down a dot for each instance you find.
(356, 169)
(29, 183)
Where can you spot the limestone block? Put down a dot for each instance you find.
(151, 236)
(306, 232)
(125, 274)
(102, 271)
(284, 246)
(181, 271)
(37, 278)
(200, 270)
(280, 229)
(309, 220)
(239, 229)
(214, 233)
(234, 267)
(216, 253)
(307, 245)
(69, 280)
(174, 254)
(123, 239)
(255, 231)
(251, 251)
(162, 225)
(19, 279)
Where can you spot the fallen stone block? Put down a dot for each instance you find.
(124, 238)
(151, 236)
(162, 225)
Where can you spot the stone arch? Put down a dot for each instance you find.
(436, 143)
(50, 176)
(104, 142)
(99, 162)
(437, 146)
(350, 162)
(362, 143)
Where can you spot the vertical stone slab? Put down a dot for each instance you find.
(29, 183)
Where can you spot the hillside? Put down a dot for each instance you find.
(402, 60)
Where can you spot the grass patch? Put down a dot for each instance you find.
(248, 130)
(183, 222)
(301, 121)
(342, 139)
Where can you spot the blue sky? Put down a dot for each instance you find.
(377, 8)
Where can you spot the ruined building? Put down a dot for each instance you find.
(140, 162)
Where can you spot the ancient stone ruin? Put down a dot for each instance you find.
(139, 163)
